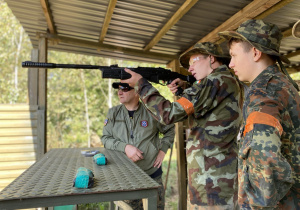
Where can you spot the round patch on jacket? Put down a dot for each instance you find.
(144, 123)
(105, 122)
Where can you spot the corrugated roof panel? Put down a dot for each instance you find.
(155, 14)
(113, 55)
(134, 23)
(31, 16)
(286, 16)
(289, 44)
(203, 18)
(80, 19)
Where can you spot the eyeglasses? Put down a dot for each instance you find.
(192, 61)
(124, 89)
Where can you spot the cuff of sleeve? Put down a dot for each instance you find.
(121, 146)
(164, 148)
(140, 84)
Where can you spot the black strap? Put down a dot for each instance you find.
(287, 74)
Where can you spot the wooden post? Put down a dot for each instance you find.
(42, 96)
(42, 93)
(180, 149)
(33, 79)
(41, 133)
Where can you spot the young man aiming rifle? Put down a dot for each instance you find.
(212, 107)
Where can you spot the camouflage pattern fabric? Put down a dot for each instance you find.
(269, 155)
(211, 148)
(228, 207)
(265, 37)
(206, 48)
(138, 204)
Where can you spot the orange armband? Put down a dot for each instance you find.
(187, 105)
(262, 118)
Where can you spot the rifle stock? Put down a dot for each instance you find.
(152, 74)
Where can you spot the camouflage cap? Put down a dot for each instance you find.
(206, 48)
(265, 37)
(296, 29)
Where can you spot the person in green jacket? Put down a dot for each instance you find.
(212, 106)
(129, 128)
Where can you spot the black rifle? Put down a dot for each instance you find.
(157, 75)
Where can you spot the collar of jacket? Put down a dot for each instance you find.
(221, 68)
(265, 75)
(136, 111)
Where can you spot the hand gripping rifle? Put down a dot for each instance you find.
(157, 75)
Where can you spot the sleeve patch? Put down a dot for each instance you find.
(261, 118)
(187, 105)
(105, 122)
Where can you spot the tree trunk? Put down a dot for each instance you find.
(19, 47)
(86, 107)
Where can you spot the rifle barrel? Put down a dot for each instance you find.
(30, 64)
(113, 71)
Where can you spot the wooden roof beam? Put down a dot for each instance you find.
(252, 10)
(293, 54)
(100, 46)
(269, 12)
(187, 5)
(109, 13)
(287, 33)
(48, 16)
(273, 9)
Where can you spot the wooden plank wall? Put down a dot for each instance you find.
(18, 140)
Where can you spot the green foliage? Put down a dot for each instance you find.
(66, 106)
(94, 206)
(14, 47)
(296, 76)
(66, 103)
(72, 117)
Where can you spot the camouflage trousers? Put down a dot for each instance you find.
(234, 206)
(138, 204)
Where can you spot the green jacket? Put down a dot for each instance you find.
(119, 128)
(212, 108)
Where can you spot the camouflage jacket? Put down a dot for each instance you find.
(269, 155)
(141, 131)
(214, 115)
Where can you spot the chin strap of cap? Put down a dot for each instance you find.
(287, 74)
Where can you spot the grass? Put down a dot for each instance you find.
(171, 194)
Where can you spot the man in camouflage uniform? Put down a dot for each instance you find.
(212, 108)
(129, 128)
(269, 154)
